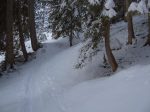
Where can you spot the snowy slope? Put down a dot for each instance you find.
(50, 82)
(127, 91)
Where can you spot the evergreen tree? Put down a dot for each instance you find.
(131, 35)
(148, 38)
(21, 34)
(66, 22)
(97, 27)
(9, 57)
(31, 23)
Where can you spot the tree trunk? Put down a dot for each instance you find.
(71, 32)
(70, 39)
(32, 29)
(124, 10)
(21, 37)
(148, 39)
(106, 33)
(9, 56)
(130, 24)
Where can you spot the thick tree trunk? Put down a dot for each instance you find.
(32, 29)
(131, 35)
(9, 56)
(106, 33)
(21, 37)
(148, 38)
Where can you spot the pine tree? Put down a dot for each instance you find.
(148, 38)
(142, 7)
(131, 35)
(106, 35)
(9, 57)
(32, 29)
(21, 35)
(99, 14)
(65, 19)
(3, 7)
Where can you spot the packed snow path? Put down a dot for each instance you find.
(37, 86)
(32, 89)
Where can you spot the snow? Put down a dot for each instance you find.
(140, 7)
(109, 4)
(108, 10)
(126, 91)
(110, 13)
(93, 2)
(133, 6)
(2, 57)
(50, 82)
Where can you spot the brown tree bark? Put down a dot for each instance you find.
(106, 35)
(21, 37)
(148, 38)
(131, 35)
(32, 29)
(9, 56)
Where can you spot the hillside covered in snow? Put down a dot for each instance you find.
(51, 82)
(75, 56)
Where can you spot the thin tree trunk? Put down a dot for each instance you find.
(106, 35)
(9, 56)
(124, 10)
(23, 48)
(71, 33)
(21, 37)
(131, 35)
(70, 38)
(32, 29)
(148, 39)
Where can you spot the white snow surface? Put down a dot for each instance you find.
(93, 2)
(127, 91)
(109, 4)
(50, 82)
(141, 7)
(109, 9)
(2, 57)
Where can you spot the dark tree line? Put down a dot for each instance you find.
(17, 21)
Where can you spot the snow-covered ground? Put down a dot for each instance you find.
(50, 82)
(2, 57)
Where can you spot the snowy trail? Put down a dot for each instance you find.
(42, 94)
(39, 86)
(28, 85)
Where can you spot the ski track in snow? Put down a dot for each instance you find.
(31, 91)
(31, 84)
